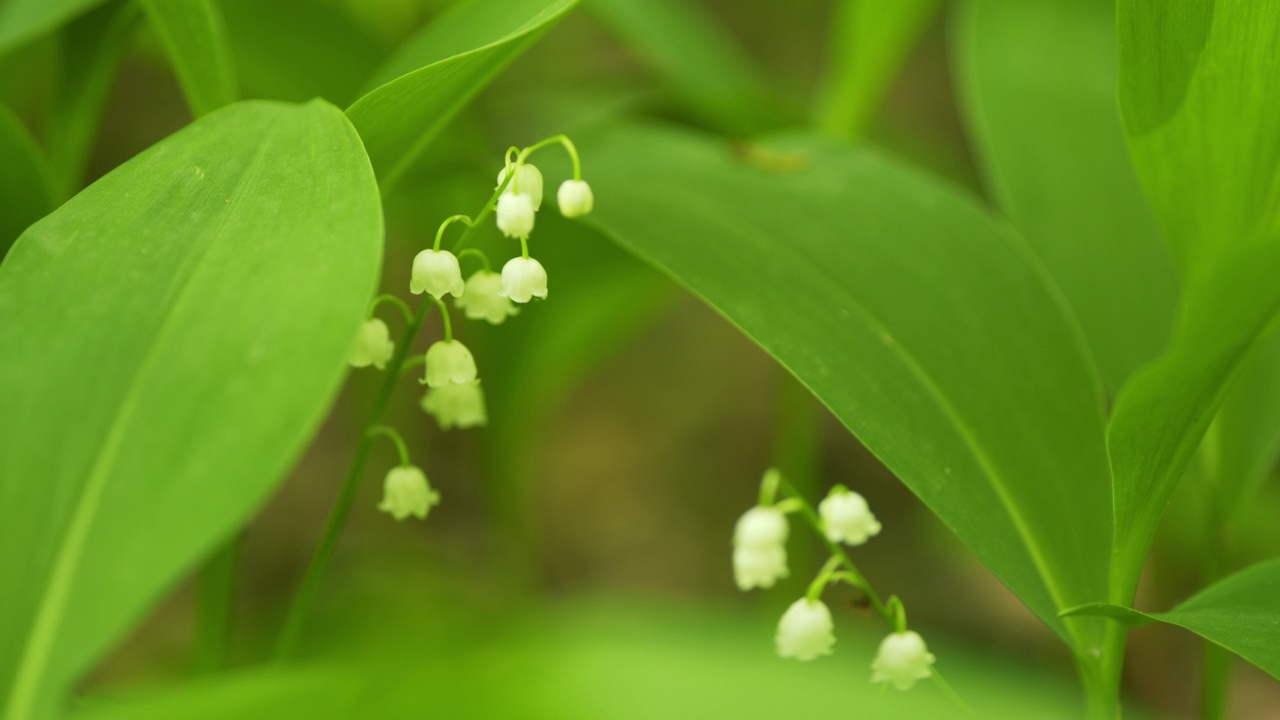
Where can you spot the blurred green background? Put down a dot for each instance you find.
(579, 564)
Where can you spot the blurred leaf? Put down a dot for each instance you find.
(26, 181)
(1247, 432)
(439, 70)
(171, 337)
(962, 374)
(869, 41)
(196, 38)
(325, 54)
(1204, 143)
(23, 20)
(91, 50)
(698, 59)
(1038, 81)
(1121, 614)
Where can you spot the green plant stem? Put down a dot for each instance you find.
(304, 597)
(215, 608)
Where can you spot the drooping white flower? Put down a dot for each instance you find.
(846, 517)
(483, 298)
(759, 548)
(523, 279)
(406, 492)
(449, 362)
(902, 660)
(575, 198)
(436, 272)
(373, 346)
(529, 180)
(460, 406)
(515, 215)
(805, 630)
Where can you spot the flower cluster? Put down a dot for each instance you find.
(806, 630)
(454, 396)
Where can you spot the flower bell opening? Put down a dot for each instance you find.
(523, 279)
(461, 406)
(903, 660)
(515, 215)
(483, 299)
(437, 273)
(806, 630)
(373, 346)
(449, 362)
(406, 492)
(846, 517)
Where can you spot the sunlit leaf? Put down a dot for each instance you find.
(169, 339)
(194, 34)
(869, 41)
(963, 374)
(1200, 91)
(439, 70)
(1038, 80)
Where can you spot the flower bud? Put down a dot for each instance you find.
(436, 272)
(373, 346)
(530, 181)
(575, 198)
(449, 362)
(523, 279)
(460, 406)
(760, 528)
(483, 298)
(805, 630)
(902, 660)
(846, 517)
(515, 215)
(405, 492)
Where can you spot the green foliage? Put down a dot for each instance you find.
(869, 41)
(1203, 142)
(172, 336)
(193, 33)
(26, 180)
(25, 20)
(1038, 81)
(964, 374)
(436, 72)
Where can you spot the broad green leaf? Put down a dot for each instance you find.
(925, 327)
(699, 60)
(1038, 83)
(195, 36)
(1240, 612)
(26, 181)
(1202, 135)
(326, 54)
(169, 339)
(438, 71)
(257, 694)
(23, 20)
(91, 48)
(870, 39)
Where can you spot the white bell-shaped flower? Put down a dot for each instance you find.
(436, 272)
(449, 362)
(575, 198)
(483, 299)
(902, 660)
(759, 548)
(529, 180)
(373, 346)
(515, 215)
(523, 279)
(406, 492)
(805, 630)
(846, 517)
(460, 406)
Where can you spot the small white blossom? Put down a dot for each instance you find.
(373, 346)
(575, 198)
(449, 362)
(529, 178)
(483, 298)
(805, 630)
(903, 659)
(460, 406)
(515, 215)
(523, 279)
(846, 517)
(759, 548)
(436, 272)
(405, 492)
